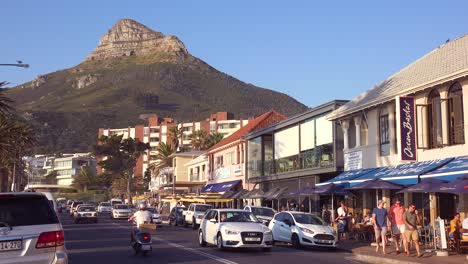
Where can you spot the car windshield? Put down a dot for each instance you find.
(121, 206)
(26, 210)
(308, 219)
(152, 210)
(237, 217)
(263, 211)
(202, 208)
(105, 204)
(86, 209)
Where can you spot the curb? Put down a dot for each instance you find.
(374, 259)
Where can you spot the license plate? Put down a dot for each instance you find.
(252, 239)
(10, 245)
(145, 247)
(88, 214)
(325, 241)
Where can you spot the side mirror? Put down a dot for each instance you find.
(213, 220)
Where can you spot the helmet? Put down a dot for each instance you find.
(142, 206)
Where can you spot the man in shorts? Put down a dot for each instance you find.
(412, 218)
(398, 224)
(380, 220)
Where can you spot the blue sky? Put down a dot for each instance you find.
(314, 51)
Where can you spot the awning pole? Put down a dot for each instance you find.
(310, 205)
(333, 208)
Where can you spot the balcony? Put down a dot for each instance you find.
(195, 177)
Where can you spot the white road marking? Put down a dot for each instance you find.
(192, 250)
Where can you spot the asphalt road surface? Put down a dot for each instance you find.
(108, 242)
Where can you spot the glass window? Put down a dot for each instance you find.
(324, 131)
(435, 120)
(352, 134)
(26, 210)
(384, 135)
(254, 148)
(268, 155)
(308, 135)
(456, 123)
(308, 219)
(230, 158)
(364, 133)
(287, 142)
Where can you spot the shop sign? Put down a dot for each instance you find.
(223, 173)
(238, 170)
(353, 160)
(407, 129)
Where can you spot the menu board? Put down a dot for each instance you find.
(440, 234)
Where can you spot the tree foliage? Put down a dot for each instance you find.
(119, 156)
(84, 180)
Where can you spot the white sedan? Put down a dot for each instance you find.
(302, 229)
(234, 228)
(155, 215)
(121, 211)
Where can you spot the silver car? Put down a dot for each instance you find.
(30, 231)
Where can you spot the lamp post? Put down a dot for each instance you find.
(21, 65)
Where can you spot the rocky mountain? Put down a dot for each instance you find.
(134, 71)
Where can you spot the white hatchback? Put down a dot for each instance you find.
(302, 229)
(234, 228)
(30, 231)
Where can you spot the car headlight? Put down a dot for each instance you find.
(306, 230)
(268, 232)
(231, 232)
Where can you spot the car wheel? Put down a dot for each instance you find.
(295, 241)
(219, 242)
(194, 224)
(201, 242)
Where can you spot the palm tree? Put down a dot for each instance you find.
(163, 158)
(198, 139)
(5, 102)
(175, 133)
(214, 139)
(83, 180)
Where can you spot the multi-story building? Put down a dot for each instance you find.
(156, 131)
(297, 152)
(220, 122)
(227, 159)
(411, 124)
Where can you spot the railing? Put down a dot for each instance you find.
(194, 177)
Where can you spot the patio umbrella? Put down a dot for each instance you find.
(331, 189)
(426, 186)
(458, 186)
(376, 184)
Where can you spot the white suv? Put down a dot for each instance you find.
(30, 231)
(104, 208)
(195, 214)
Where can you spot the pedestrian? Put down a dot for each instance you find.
(326, 215)
(412, 218)
(380, 221)
(398, 224)
(342, 221)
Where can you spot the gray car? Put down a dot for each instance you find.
(30, 231)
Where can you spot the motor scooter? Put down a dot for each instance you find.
(141, 241)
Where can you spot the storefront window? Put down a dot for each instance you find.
(268, 155)
(456, 122)
(254, 149)
(384, 134)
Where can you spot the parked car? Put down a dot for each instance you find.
(195, 214)
(85, 213)
(104, 208)
(121, 211)
(30, 231)
(176, 216)
(73, 207)
(234, 228)
(302, 229)
(155, 215)
(263, 214)
(115, 201)
(69, 203)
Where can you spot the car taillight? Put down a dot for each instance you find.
(50, 239)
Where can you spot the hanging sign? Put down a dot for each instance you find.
(407, 129)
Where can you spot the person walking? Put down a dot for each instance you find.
(412, 218)
(380, 221)
(398, 224)
(326, 215)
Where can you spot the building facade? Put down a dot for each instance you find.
(295, 153)
(227, 159)
(69, 166)
(416, 115)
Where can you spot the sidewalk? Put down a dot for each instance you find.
(364, 252)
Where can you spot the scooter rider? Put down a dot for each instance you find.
(142, 216)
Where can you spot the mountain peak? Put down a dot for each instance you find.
(131, 38)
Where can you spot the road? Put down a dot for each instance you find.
(108, 242)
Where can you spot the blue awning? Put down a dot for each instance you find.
(346, 176)
(403, 174)
(458, 167)
(220, 187)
